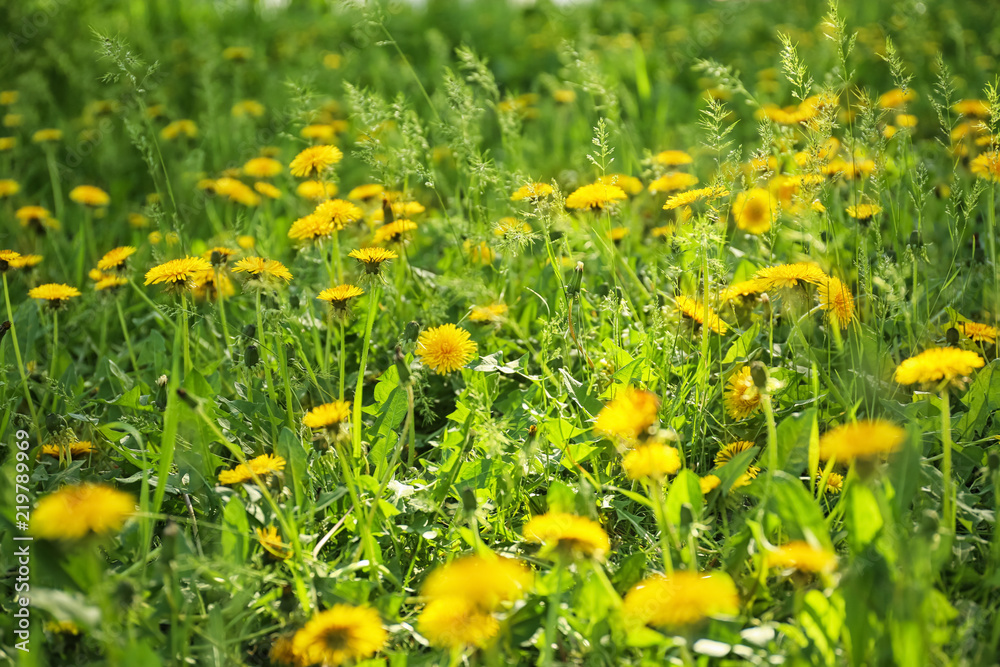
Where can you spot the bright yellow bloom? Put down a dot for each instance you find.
(980, 333)
(972, 108)
(394, 231)
(682, 598)
(491, 313)
(864, 211)
(485, 581)
(175, 129)
(726, 454)
(986, 165)
(740, 290)
(569, 534)
(316, 190)
(315, 160)
(46, 135)
(742, 398)
(9, 187)
(595, 196)
(29, 215)
(673, 158)
(8, 97)
(692, 196)
(836, 299)
(262, 167)
(55, 294)
(372, 258)
(708, 483)
(866, 438)
(532, 191)
(114, 260)
(341, 634)
(673, 181)
(177, 271)
(445, 349)
(89, 195)
(787, 276)
(652, 461)
(754, 210)
(272, 543)
(367, 191)
(267, 190)
(7, 143)
(79, 449)
(400, 209)
(937, 364)
(630, 184)
(834, 483)
(259, 267)
(803, 557)
(261, 466)
(629, 414)
(310, 228)
(896, 98)
(457, 623)
(26, 262)
(327, 415)
(74, 512)
(697, 312)
(7, 259)
(338, 213)
(248, 108)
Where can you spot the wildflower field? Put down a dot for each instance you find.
(489, 333)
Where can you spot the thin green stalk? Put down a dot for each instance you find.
(128, 338)
(282, 358)
(343, 358)
(948, 509)
(50, 159)
(656, 490)
(262, 342)
(17, 356)
(552, 605)
(55, 345)
(151, 304)
(373, 300)
(185, 334)
(221, 305)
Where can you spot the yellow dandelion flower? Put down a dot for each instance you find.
(393, 232)
(55, 294)
(532, 192)
(896, 98)
(110, 283)
(251, 108)
(652, 461)
(980, 333)
(672, 182)
(327, 415)
(972, 108)
(787, 276)
(457, 623)
(696, 311)
(754, 210)
(726, 454)
(866, 438)
(595, 196)
(366, 192)
(310, 228)
(76, 450)
(629, 414)
(332, 60)
(673, 158)
(663, 231)
(400, 209)
(372, 258)
(485, 581)
(246, 242)
(316, 190)
(708, 483)
(479, 253)
(74, 512)
(15, 120)
(836, 299)
(47, 135)
(262, 167)
(803, 557)
(318, 132)
(32, 215)
(445, 349)
(9, 188)
(834, 483)
(616, 234)
(864, 212)
(262, 466)
(340, 296)
(906, 120)
(986, 165)
(315, 160)
(266, 189)
(682, 598)
(237, 53)
(114, 260)
(7, 258)
(740, 290)
(207, 287)
(177, 271)
(219, 255)
(185, 126)
(7, 143)
(26, 262)
(258, 267)
(568, 534)
(9, 97)
(630, 184)
(938, 364)
(341, 634)
(692, 196)
(338, 213)
(491, 313)
(272, 543)
(742, 398)
(88, 195)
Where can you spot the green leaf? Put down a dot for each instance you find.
(797, 509)
(863, 518)
(290, 448)
(794, 435)
(235, 531)
(982, 398)
(684, 490)
(741, 346)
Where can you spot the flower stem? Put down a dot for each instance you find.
(262, 343)
(185, 334)
(661, 520)
(50, 159)
(948, 509)
(343, 359)
(221, 304)
(55, 345)
(359, 387)
(17, 356)
(128, 338)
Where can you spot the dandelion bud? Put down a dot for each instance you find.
(388, 217)
(469, 503)
(250, 331)
(411, 332)
(217, 259)
(993, 461)
(161, 381)
(576, 282)
(294, 302)
(916, 240)
(4, 328)
(758, 371)
(54, 423)
(952, 336)
(251, 356)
